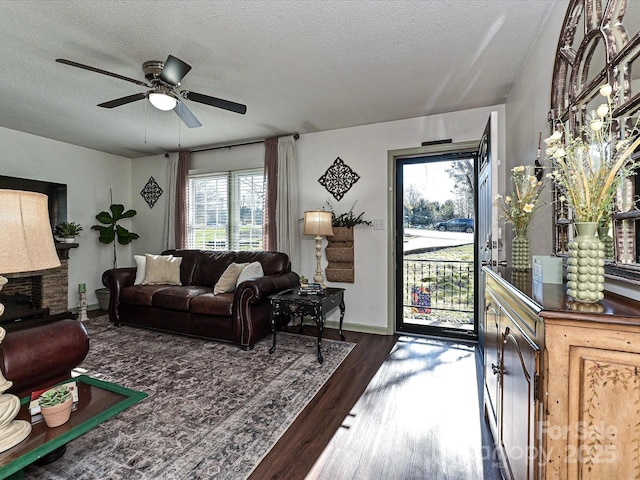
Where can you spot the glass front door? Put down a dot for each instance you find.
(436, 212)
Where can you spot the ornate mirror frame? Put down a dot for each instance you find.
(600, 43)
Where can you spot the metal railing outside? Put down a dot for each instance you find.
(442, 287)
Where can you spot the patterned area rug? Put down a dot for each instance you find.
(213, 411)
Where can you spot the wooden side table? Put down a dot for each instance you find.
(291, 303)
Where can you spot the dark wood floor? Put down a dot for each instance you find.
(397, 408)
(302, 444)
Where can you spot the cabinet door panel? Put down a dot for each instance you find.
(603, 435)
(492, 365)
(519, 360)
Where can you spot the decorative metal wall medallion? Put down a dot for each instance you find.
(151, 192)
(338, 179)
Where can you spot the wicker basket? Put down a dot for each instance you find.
(343, 255)
(346, 275)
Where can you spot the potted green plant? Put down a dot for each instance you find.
(111, 231)
(67, 231)
(55, 405)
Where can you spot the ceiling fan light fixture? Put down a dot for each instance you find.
(162, 101)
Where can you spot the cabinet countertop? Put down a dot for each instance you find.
(550, 301)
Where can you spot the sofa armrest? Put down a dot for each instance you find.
(268, 285)
(35, 357)
(115, 280)
(251, 306)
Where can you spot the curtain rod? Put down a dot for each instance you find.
(296, 136)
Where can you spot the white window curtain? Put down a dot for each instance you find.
(169, 232)
(287, 209)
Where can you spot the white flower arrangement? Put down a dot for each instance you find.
(588, 170)
(524, 201)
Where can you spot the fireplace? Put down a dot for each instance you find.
(34, 295)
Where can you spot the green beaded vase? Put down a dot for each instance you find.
(605, 238)
(520, 251)
(585, 266)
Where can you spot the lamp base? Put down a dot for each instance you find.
(12, 432)
(319, 277)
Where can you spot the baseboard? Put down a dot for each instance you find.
(356, 327)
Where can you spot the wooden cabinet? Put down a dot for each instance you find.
(562, 387)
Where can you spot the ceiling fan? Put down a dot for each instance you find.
(164, 80)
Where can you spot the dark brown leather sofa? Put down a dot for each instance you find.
(240, 317)
(36, 357)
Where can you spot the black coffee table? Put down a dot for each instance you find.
(98, 401)
(291, 303)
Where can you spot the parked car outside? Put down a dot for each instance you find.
(456, 225)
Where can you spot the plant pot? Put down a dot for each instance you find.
(69, 239)
(58, 414)
(103, 295)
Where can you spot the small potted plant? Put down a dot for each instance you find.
(67, 231)
(55, 405)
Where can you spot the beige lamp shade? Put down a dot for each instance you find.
(317, 222)
(26, 240)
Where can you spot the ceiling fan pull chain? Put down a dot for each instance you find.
(145, 123)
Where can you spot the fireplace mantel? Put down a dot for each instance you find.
(63, 249)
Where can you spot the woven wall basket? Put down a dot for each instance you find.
(340, 255)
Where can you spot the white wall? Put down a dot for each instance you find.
(88, 174)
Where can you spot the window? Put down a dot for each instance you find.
(226, 210)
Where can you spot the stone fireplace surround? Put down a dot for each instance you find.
(47, 288)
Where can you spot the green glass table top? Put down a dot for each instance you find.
(97, 402)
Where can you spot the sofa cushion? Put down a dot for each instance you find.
(210, 266)
(141, 268)
(272, 262)
(162, 269)
(227, 281)
(177, 298)
(250, 272)
(140, 294)
(220, 305)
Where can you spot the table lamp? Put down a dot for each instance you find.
(26, 245)
(318, 223)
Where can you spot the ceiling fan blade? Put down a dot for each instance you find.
(174, 70)
(215, 102)
(124, 100)
(186, 115)
(103, 72)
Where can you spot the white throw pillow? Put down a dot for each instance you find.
(227, 281)
(141, 265)
(250, 272)
(162, 269)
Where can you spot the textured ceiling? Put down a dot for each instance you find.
(299, 65)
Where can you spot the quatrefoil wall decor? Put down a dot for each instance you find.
(151, 192)
(338, 179)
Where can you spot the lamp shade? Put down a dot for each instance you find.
(317, 222)
(26, 240)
